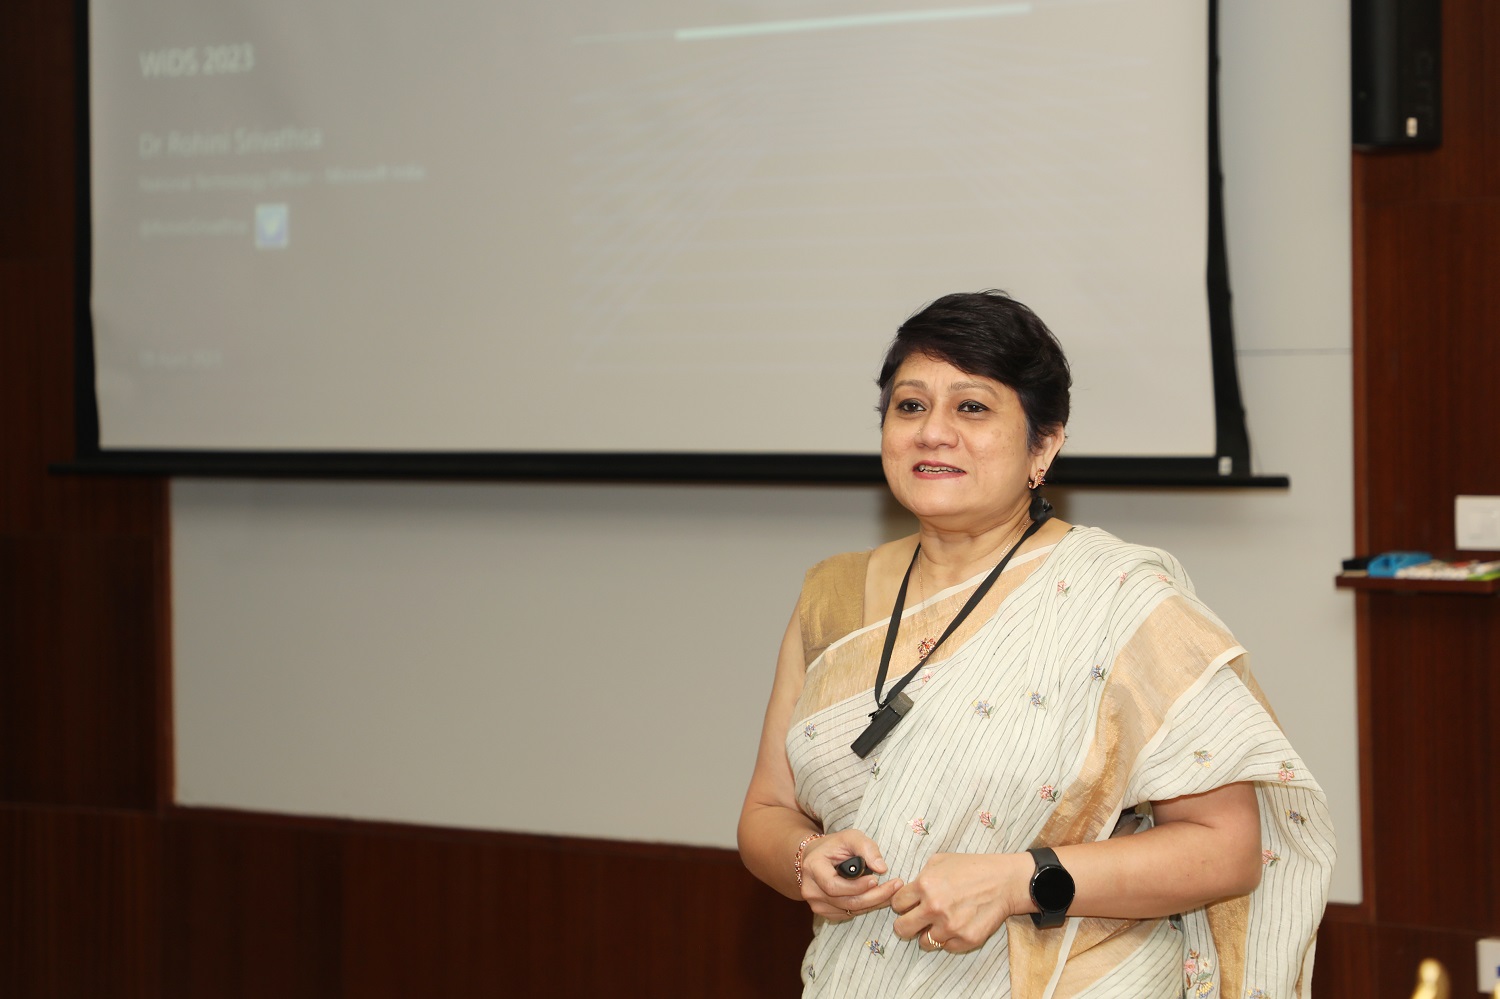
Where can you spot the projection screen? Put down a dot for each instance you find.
(591, 226)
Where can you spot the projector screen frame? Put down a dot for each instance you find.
(1228, 467)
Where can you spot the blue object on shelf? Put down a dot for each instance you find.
(1385, 564)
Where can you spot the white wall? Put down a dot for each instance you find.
(594, 659)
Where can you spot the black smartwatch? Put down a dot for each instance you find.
(1051, 889)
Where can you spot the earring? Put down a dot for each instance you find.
(1041, 478)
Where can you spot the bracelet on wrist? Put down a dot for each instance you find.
(797, 860)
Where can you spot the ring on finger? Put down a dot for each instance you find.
(932, 942)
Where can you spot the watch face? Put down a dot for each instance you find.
(1052, 888)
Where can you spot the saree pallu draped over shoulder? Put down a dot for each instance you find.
(1090, 681)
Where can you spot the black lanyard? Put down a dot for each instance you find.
(890, 709)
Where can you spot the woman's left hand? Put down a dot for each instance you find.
(959, 900)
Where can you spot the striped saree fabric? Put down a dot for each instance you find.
(1089, 682)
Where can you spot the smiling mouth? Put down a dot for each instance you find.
(935, 469)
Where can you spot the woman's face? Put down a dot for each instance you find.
(954, 446)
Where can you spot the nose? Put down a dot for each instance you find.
(938, 429)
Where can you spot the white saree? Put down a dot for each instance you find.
(1090, 680)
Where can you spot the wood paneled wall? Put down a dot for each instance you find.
(110, 891)
(1427, 358)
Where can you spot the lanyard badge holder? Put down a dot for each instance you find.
(895, 706)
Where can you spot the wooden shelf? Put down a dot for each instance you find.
(1382, 584)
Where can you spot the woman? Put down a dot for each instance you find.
(1048, 754)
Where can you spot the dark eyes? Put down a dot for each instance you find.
(913, 406)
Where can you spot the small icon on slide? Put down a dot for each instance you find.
(271, 227)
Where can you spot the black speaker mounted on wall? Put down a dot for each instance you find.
(1397, 73)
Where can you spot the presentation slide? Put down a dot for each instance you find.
(602, 226)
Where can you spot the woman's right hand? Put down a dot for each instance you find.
(836, 898)
(772, 823)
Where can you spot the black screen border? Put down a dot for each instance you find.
(1229, 467)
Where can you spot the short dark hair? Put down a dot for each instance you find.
(991, 334)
